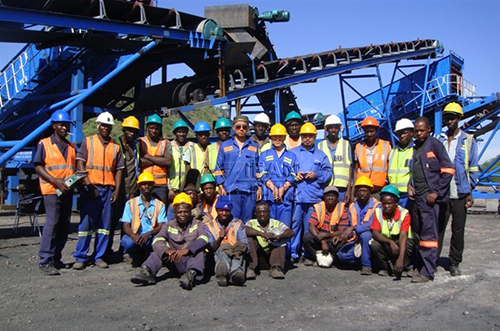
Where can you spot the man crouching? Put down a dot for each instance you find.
(180, 246)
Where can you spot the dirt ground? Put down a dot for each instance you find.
(310, 298)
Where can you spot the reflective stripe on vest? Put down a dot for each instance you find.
(136, 217)
(341, 164)
(56, 165)
(101, 163)
(396, 227)
(378, 172)
(265, 147)
(178, 168)
(467, 147)
(198, 159)
(368, 214)
(159, 173)
(231, 236)
(399, 168)
(210, 210)
(320, 209)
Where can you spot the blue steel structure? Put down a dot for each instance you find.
(91, 53)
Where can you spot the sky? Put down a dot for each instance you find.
(469, 28)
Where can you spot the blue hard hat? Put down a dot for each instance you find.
(60, 116)
(202, 127)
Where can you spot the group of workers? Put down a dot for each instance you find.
(268, 201)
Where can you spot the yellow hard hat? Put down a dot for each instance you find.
(454, 108)
(145, 177)
(131, 122)
(182, 198)
(308, 128)
(364, 181)
(278, 130)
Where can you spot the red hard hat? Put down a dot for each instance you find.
(370, 121)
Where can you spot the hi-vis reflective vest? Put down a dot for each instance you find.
(178, 168)
(320, 209)
(395, 228)
(210, 209)
(354, 213)
(341, 163)
(378, 171)
(231, 236)
(101, 163)
(159, 173)
(198, 159)
(399, 167)
(136, 217)
(290, 143)
(56, 165)
(212, 151)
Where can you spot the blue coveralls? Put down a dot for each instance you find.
(438, 171)
(128, 244)
(95, 214)
(363, 229)
(236, 170)
(58, 214)
(308, 192)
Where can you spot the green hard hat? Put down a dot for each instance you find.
(154, 119)
(390, 190)
(208, 178)
(180, 124)
(222, 123)
(293, 115)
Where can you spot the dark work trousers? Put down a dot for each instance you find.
(425, 226)
(262, 260)
(118, 207)
(56, 227)
(160, 192)
(382, 255)
(456, 209)
(196, 262)
(312, 246)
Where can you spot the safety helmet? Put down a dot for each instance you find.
(293, 115)
(60, 116)
(364, 181)
(222, 123)
(182, 198)
(333, 120)
(208, 178)
(105, 118)
(370, 121)
(324, 261)
(145, 177)
(319, 117)
(454, 108)
(180, 124)
(262, 118)
(278, 130)
(154, 119)
(308, 128)
(404, 123)
(390, 190)
(131, 122)
(202, 127)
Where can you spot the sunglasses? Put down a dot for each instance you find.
(241, 127)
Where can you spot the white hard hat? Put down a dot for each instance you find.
(105, 118)
(404, 123)
(332, 120)
(262, 118)
(324, 261)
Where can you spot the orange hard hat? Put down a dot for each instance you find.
(370, 121)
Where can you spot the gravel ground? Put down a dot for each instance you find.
(310, 298)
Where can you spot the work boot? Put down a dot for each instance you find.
(78, 265)
(127, 259)
(455, 270)
(221, 274)
(419, 279)
(144, 277)
(61, 265)
(237, 277)
(277, 273)
(383, 273)
(251, 274)
(101, 264)
(187, 280)
(308, 262)
(49, 270)
(366, 271)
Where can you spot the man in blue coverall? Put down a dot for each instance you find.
(314, 172)
(236, 170)
(432, 172)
